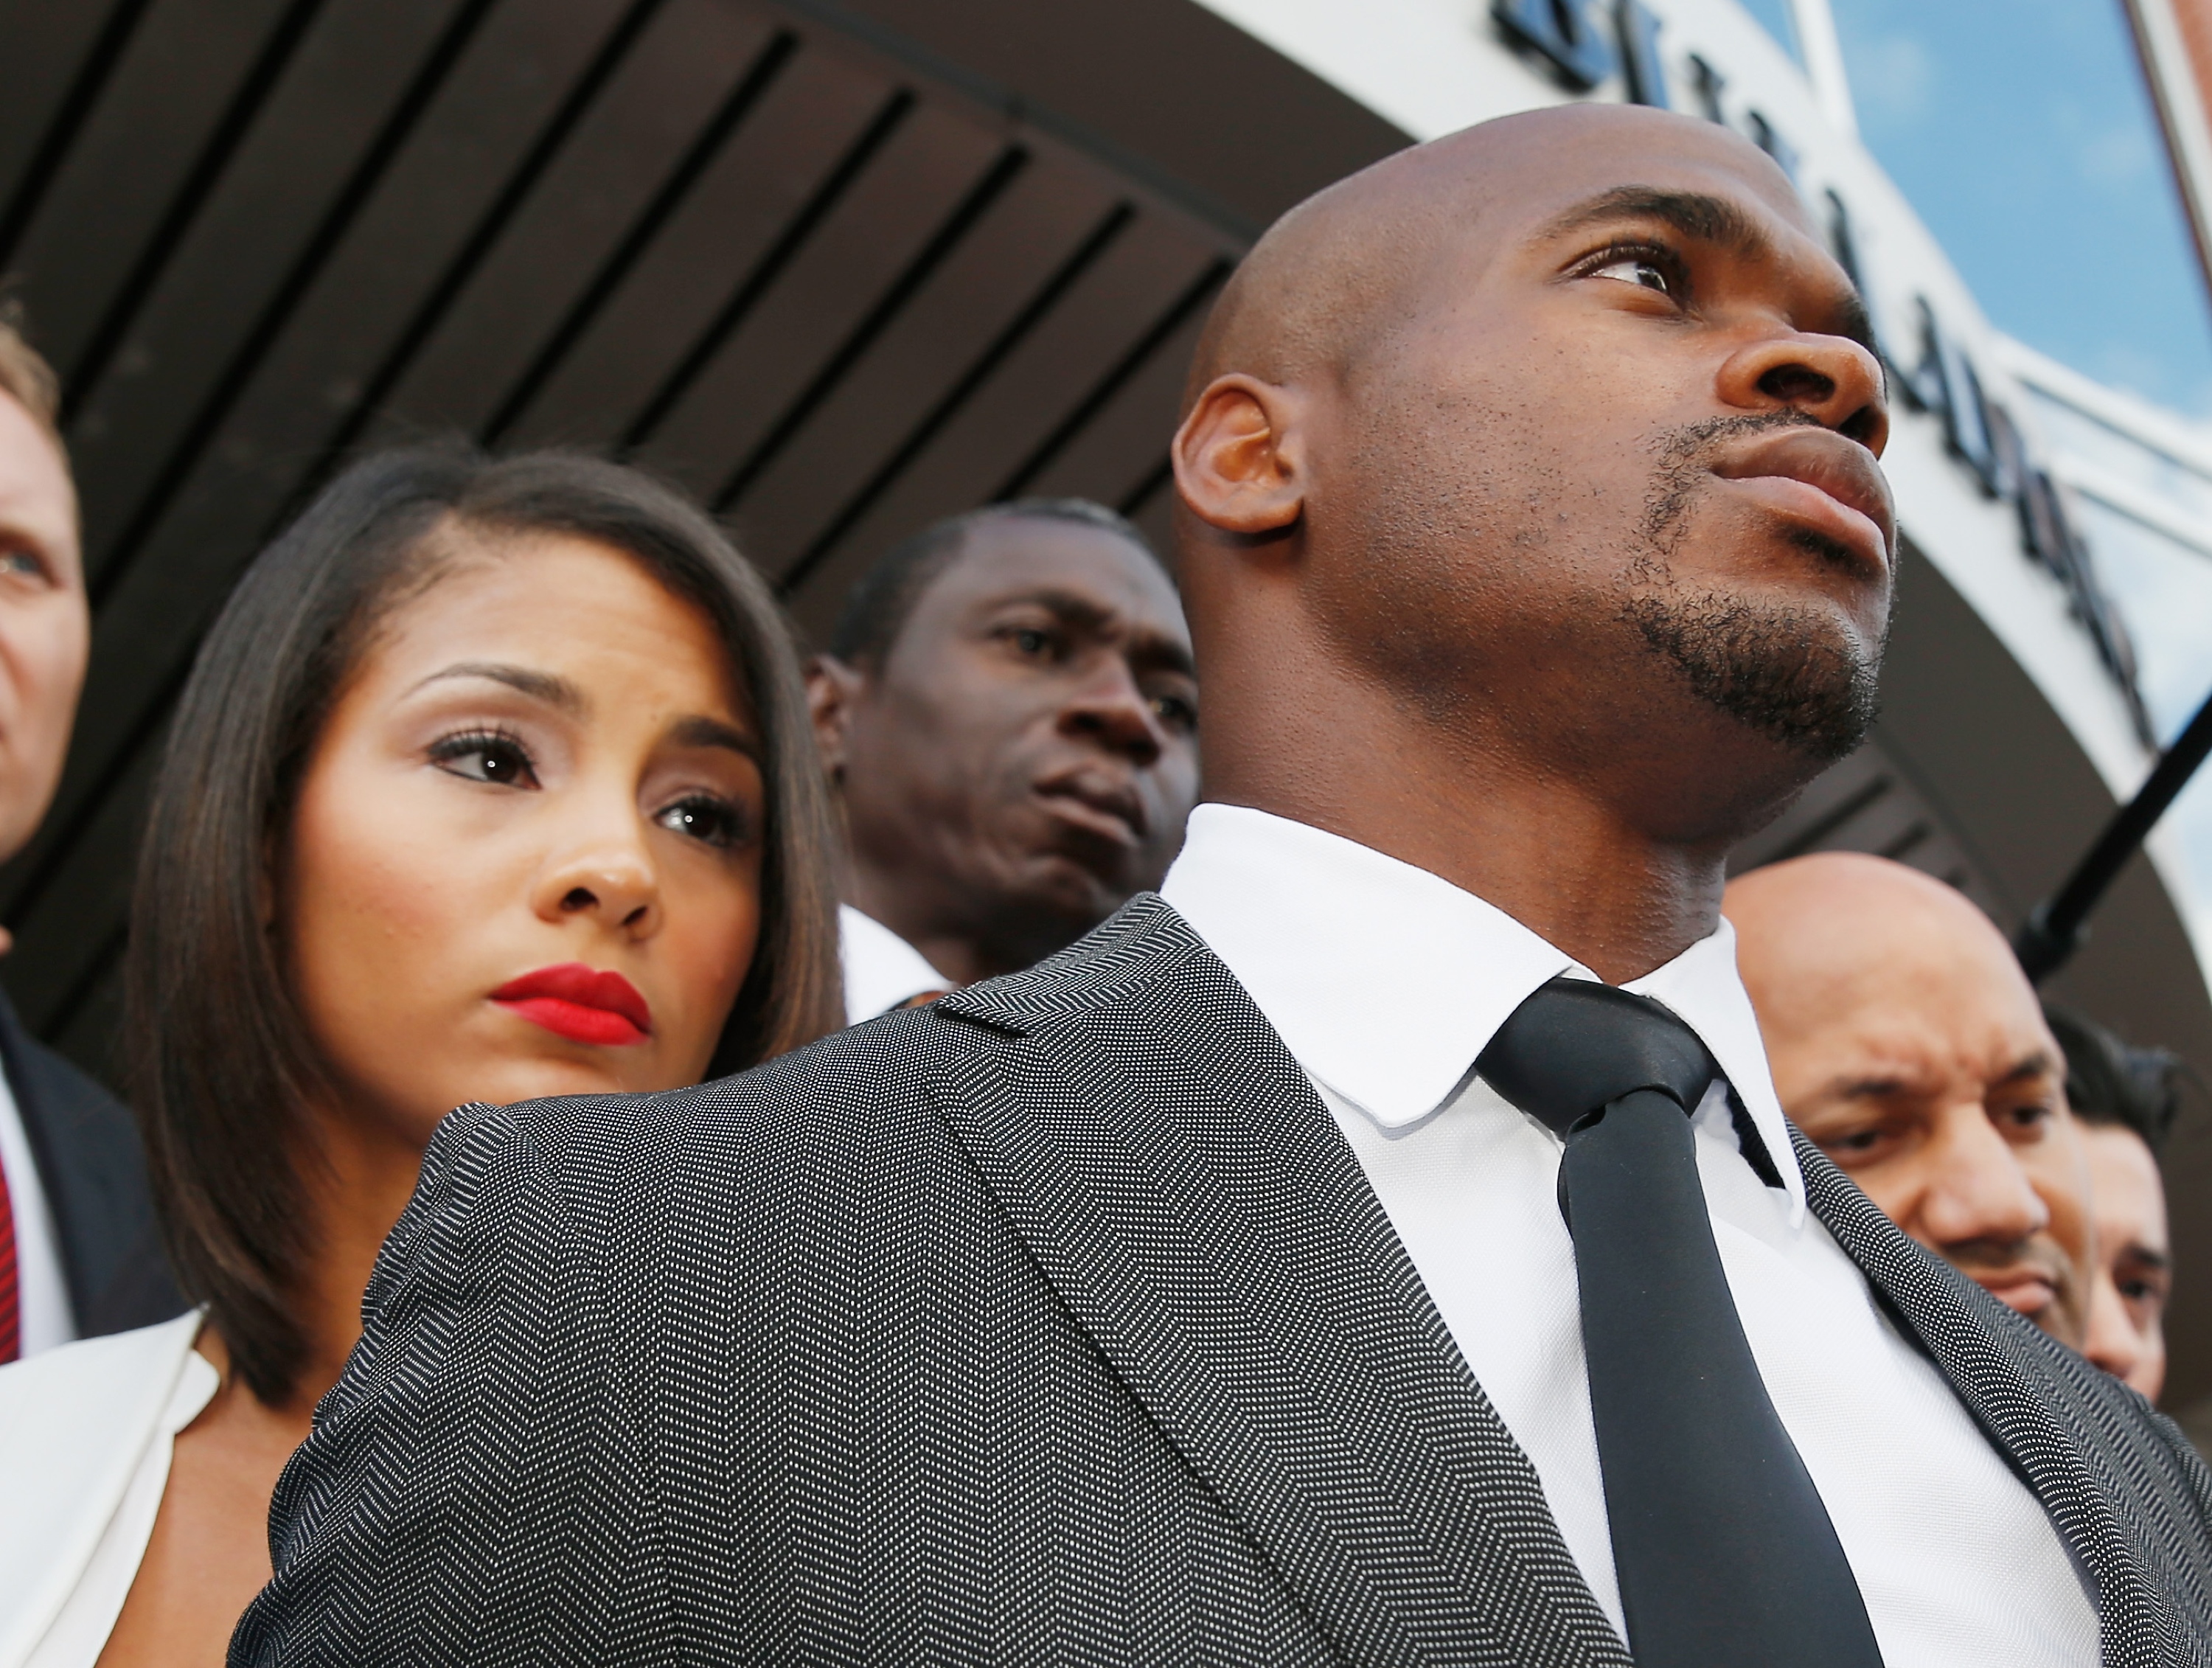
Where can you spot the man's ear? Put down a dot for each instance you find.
(1240, 457)
(832, 687)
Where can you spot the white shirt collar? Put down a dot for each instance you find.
(1385, 982)
(882, 970)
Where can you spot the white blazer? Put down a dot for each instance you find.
(86, 1433)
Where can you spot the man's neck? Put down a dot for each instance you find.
(1620, 909)
(956, 953)
(1546, 848)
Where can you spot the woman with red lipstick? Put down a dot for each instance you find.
(493, 781)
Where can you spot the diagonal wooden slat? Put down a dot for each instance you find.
(916, 348)
(253, 237)
(640, 236)
(184, 68)
(668, 86)
(1054, 371)
(817, 126)
(60, 58)
(806, 495)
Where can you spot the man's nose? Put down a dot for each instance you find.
(1976, 1189)
(1832, 378)
(1108, 708)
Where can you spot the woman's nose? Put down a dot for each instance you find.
(608, 875)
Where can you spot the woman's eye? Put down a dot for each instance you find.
(498, 759)
(22, 564)
(1637, 269)
(711, 821)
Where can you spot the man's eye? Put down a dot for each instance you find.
(1856, 1144)
(498, 759)
(1637, 269)
(1175, 712)
(710, 820)
(1030, 641)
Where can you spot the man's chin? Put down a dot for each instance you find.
(1068, 891)
(1795, 676)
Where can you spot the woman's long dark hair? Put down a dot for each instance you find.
(222, 1067)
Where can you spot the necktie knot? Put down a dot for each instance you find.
(1576, 1046)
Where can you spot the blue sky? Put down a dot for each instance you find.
(2022, 132)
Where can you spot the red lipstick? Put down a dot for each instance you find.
(580, 1003)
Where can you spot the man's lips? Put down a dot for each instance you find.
(1112, 810)
(2028, 1291)
(1820, 480)
(580, 1003)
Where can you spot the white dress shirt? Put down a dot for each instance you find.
(1385, 982)
(882, 970)
(41, 1289)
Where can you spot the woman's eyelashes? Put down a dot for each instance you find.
(712, 820)
(497, 756)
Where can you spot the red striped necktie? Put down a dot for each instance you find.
(11, 1313)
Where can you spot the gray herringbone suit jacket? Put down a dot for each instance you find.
(1054, 1324)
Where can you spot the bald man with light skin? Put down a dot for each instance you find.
(1909, 1047)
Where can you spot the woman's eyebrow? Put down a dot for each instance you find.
(700, 731)
(552, 688)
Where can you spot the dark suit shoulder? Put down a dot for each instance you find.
(93, 1170)
(761, 1365)
(856, 1086)
(833, 1092)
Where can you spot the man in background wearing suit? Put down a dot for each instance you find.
(1909, 1048)
(1009, 721)
(79, 1255)
(1316, 1263)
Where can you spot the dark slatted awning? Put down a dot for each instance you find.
(833, 296)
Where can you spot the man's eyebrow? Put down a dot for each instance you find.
(1084, 613)
(2149, 1258)
(1708, 219)
(1157, 649)
(1697, 215)
(552, 688)
(2037, 1064)
(1867, 1089)
(1855, 323)
(700, 731)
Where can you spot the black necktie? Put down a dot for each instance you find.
(1725, 1553)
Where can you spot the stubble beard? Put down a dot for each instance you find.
(1788, 674)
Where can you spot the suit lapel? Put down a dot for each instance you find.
(1188, 1195)
(1995, 1364)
